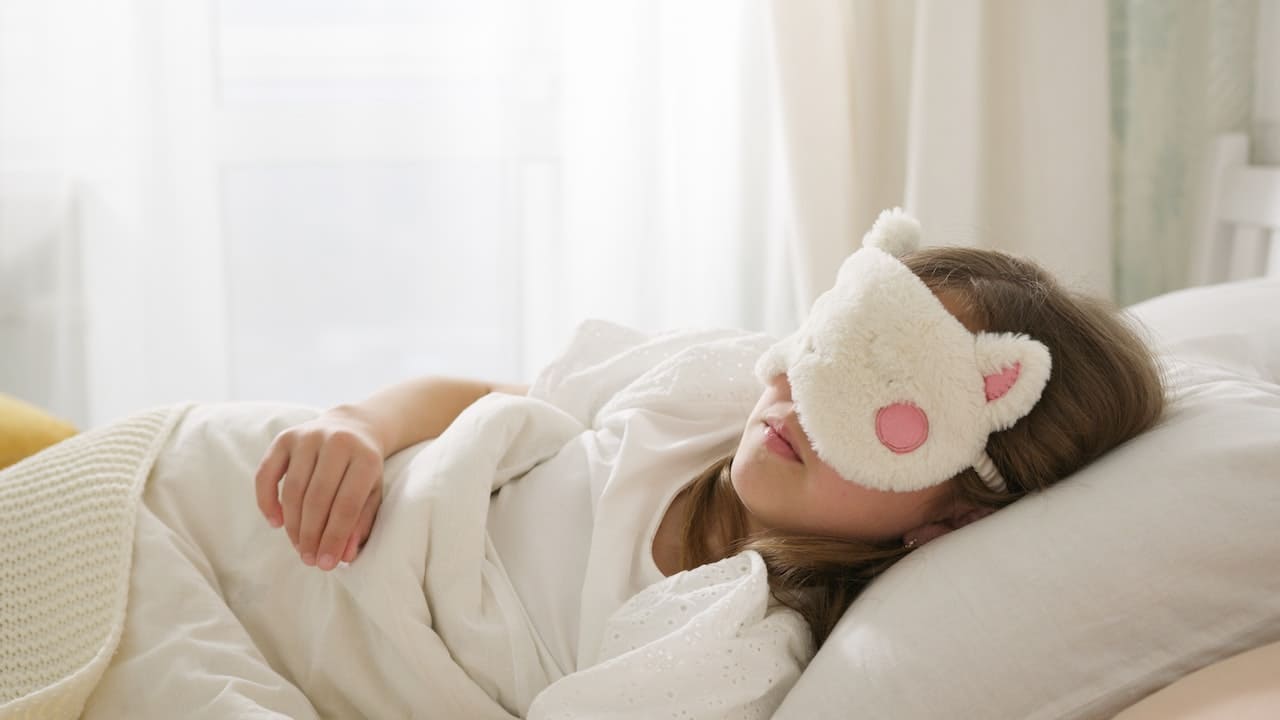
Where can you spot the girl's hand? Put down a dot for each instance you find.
(332, 471)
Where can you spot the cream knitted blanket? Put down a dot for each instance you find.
(66, 539)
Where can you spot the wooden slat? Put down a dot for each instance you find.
(1212, 245)
(1241, 216)
(1248, 252)
(1251, 196)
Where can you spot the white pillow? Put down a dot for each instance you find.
(1156, 560)
(1235, 325)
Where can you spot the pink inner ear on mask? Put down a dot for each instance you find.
(997, 385)
(901, 427)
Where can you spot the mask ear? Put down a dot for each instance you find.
(1015, 369)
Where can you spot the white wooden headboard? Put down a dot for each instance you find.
(1240, 232)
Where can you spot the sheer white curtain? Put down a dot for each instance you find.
(987, 119)
(106, 130)
(1071, 132)
(306, 200)
(673, 191)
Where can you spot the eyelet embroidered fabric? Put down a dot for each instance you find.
(704, 643)
(716, 371)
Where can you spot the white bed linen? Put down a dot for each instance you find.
(224, 620)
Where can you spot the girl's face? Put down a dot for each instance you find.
(796, 491)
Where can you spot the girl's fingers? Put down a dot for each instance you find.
(365, 525)
(327, 483)
(302, 460)
(266, 482)
(344, 514)
(367, 515)
(350, 553)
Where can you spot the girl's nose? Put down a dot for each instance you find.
(784, 386)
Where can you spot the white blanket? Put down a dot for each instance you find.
(224, 617)
(224, 620)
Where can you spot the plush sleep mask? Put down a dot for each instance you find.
(892, 390)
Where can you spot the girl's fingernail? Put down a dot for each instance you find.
(326, 562)
(309, 558)
(275, 521)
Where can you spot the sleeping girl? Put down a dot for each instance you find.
(657, 526)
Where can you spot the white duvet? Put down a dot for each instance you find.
(223, 620)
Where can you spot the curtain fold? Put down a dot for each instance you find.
(1032, 178)
(1073, 133)
(1182, 72)
(666, 154)
(1266, 95)
(986, 119)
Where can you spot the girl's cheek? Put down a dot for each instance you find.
(832, 484)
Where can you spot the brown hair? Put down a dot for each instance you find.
(1105, 387)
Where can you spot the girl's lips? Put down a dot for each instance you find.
(778, 444)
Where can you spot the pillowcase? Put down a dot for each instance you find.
(26, 430)
(1234, 325)
(1154, 561)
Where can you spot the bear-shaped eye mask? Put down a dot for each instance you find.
(893, 391)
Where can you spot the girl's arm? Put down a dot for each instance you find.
(331, 466)
(417, 410)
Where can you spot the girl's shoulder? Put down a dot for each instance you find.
(607, 368)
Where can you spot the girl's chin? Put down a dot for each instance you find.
(760, 469)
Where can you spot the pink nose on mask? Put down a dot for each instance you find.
(902, 427)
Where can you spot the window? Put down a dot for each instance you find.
(406, 151)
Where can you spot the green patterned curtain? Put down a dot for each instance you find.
(1181, 72)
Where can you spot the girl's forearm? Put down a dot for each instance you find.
(415, 410)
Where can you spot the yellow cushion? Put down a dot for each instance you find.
(26, 430)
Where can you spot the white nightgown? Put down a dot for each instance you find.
(575, 534)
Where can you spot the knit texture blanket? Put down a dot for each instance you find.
(66, 539)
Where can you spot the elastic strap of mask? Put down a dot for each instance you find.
(988, 472)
